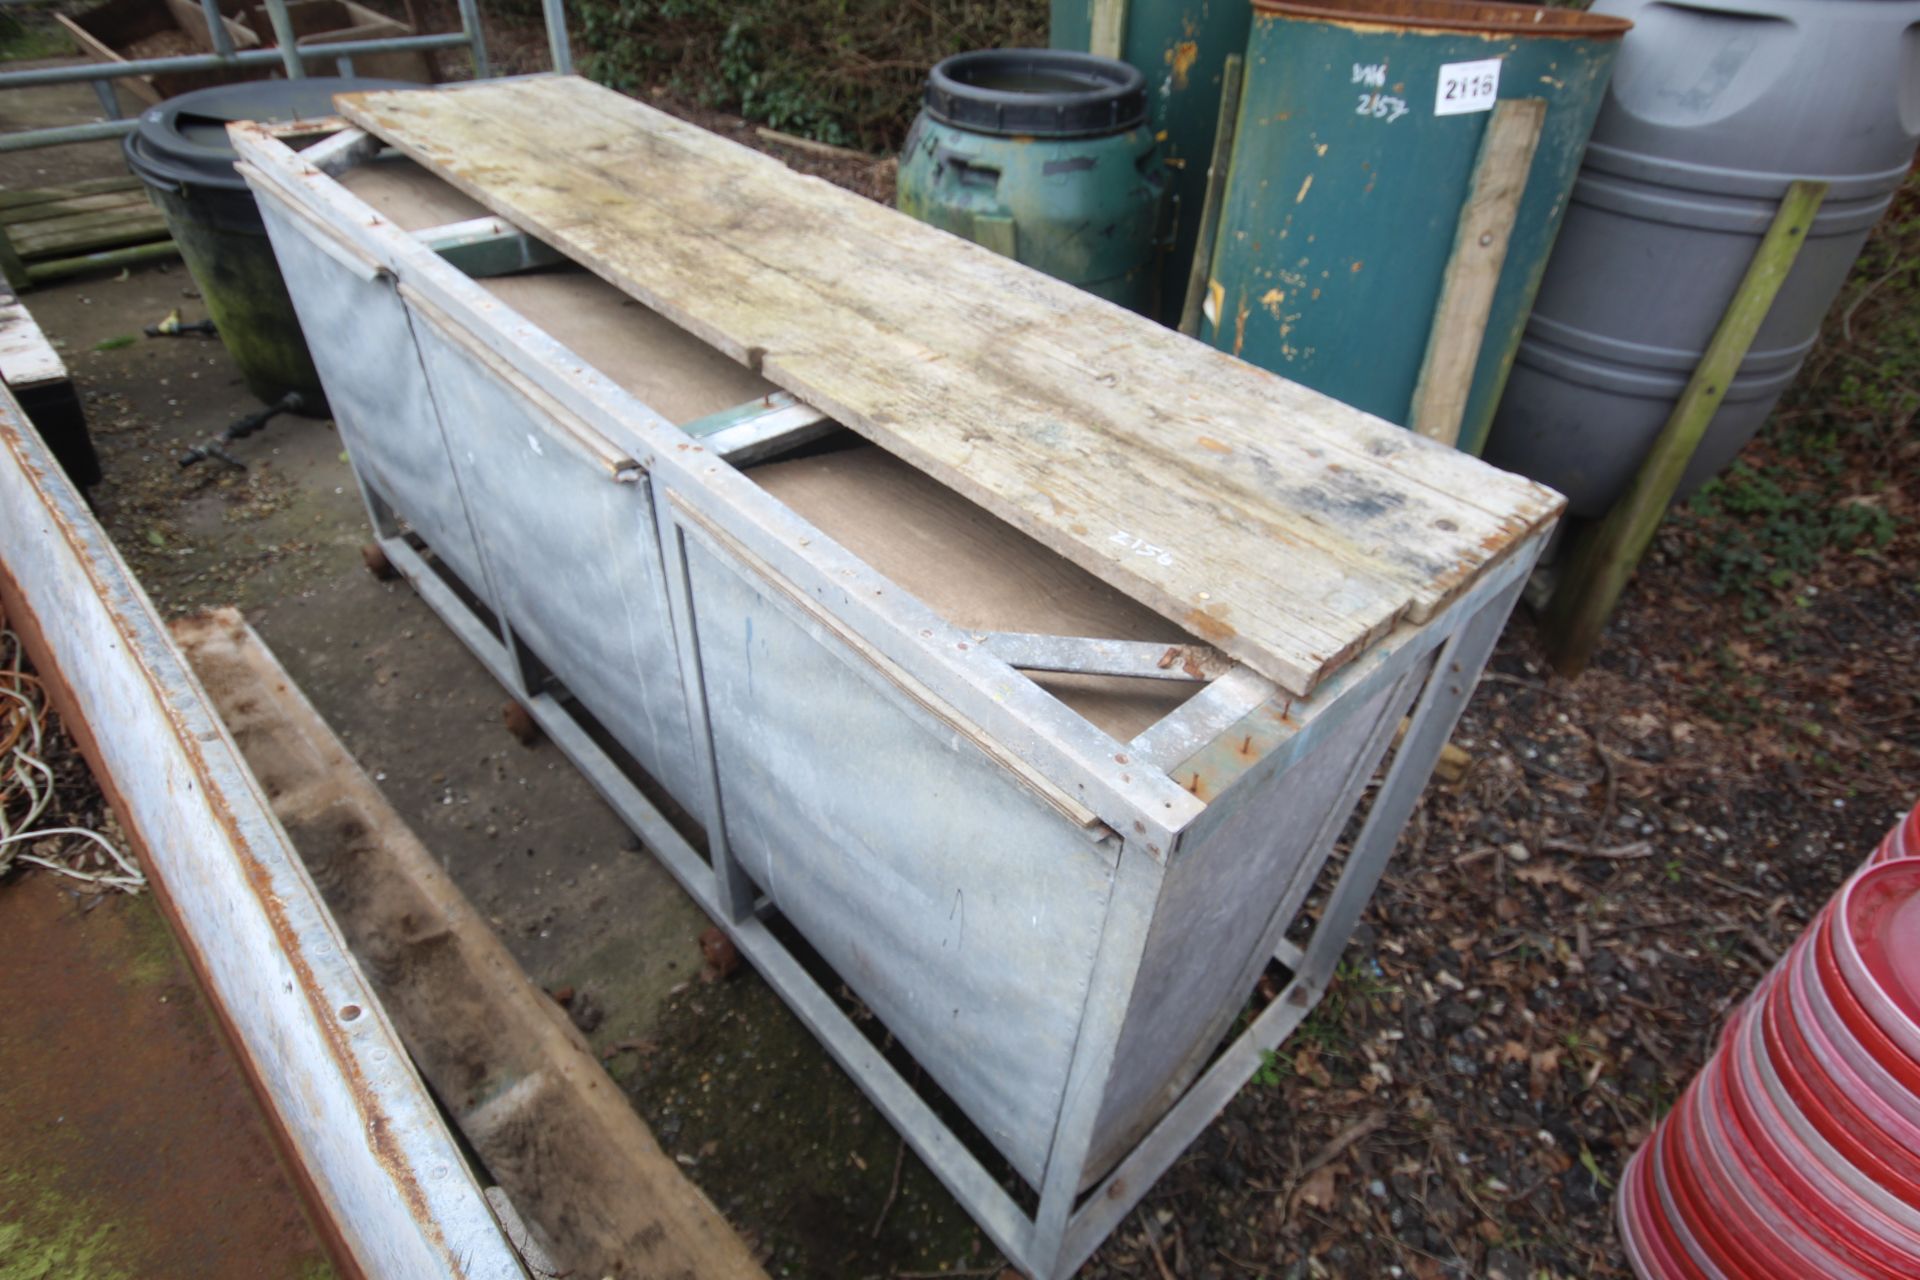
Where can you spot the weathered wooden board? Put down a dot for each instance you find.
(27, 359)
(521, 1082)
(1282, 526)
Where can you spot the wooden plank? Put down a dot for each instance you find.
(107, 201)
(976, 572)
(1232, 77)
(524, 1086)
(27, 359)
(12, 200)
(1285, 528)
(1107, 35)
(1604, 559)
(49, 269)
(1473, 268)
(83, 233)
(100, 51)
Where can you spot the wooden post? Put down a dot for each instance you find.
(1109, 29)
(1231, 78)
(1605, 558)
(1473, 268)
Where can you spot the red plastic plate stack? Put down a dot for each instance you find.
(1795, 1153)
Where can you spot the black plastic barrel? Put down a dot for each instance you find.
(180, 150)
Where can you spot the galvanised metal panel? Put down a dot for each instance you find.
(572, 552)
(364, 349)
(961, 907)
(1216, 923)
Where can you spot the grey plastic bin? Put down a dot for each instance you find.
(1714, 109)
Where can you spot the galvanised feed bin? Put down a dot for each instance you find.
(1359, 127)
(1181, 47)
(1044, 157)
(947, 691)
(1715, 108)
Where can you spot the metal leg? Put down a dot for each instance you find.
(109, 98)
(379, 511)
(477, 42)
(284, 37)
(1136, 888)
(1455, 674)
(217, 28)
(529, 678)
(556, 11)
(733, 889)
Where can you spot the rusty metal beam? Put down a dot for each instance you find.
(386, 1184)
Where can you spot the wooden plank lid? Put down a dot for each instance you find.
(1285, 527)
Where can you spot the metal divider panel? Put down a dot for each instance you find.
(961, 907)
(575, 557)
(364, 350)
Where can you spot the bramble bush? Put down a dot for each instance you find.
(847, 72)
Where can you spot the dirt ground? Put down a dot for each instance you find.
(1537, 979)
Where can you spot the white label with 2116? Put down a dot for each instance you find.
(1466, 87)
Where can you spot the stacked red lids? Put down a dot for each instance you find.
(1903, 841)
(1795, 1153)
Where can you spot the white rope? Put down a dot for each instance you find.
(26, 777)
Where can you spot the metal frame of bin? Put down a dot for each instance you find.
(686, 520)
(289, 54)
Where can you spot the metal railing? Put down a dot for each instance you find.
(290, 55)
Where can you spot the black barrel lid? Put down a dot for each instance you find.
(183, 141)
(1042, 93)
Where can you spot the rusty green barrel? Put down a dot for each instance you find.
(1181, 47)
(1359, 127)
(1044, 156)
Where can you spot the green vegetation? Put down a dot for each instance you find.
(43, 1237)
(842, 71)
(1794, 500)
(31, 35)
(1271, 1071)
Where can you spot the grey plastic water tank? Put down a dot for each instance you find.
(1715, 107)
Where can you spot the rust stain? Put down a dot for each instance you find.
(1182, 56)
(1214, 446)
(1203, 623)
(1240, 325)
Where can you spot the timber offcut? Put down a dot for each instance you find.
(1287, 529)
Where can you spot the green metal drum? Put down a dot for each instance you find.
(1181, 47)
(1359, 128)
(1045, 157)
